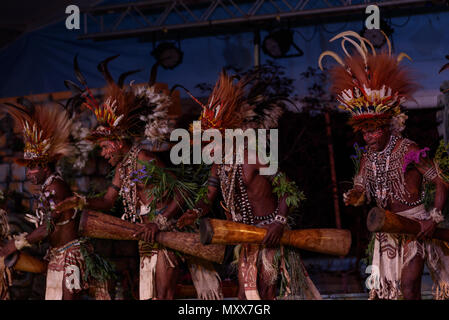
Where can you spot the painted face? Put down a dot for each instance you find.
(376, 139)
(111, 151)
(37, 174)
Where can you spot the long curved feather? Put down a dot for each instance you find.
(78, 73)
(103, 68)
(123, 76)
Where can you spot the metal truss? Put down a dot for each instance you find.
(190, 18)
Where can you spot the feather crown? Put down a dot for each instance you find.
(46, 131)
(126, 111)
(371, 86)
(240, 105)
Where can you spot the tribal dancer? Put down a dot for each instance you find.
(127, 116)
(46, 132)
(250, 197)
(393, 172)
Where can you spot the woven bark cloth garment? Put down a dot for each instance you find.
(205, 279)
(66, 268)
(288, 267)
(394, 251)
(248, 270)
(5, 272)
(5, 280)
(149, 255)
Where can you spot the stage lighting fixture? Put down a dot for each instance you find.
(168, 55)
(278, 43)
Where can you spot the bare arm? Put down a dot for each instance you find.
(58, 192)
(106, 202)
(103, 203)
(440, 194)
(203, 206)
(356, 195)
(427, 169)
(37, 235)
(212, 191)
(276, 228)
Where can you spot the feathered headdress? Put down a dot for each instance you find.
(240, 105)
(126, 111)
(371, 86)
(446, 66)
(46, 131)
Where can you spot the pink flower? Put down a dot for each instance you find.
(413, 156)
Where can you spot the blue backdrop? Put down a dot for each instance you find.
(39, 62)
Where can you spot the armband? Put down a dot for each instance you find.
(82, 201)
(430, 174)
(20, 241)
(199, 212)
(358, 181)
(113, 186)
(436, 215)
(280, 219)
(213, 182)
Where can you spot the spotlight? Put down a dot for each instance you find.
(168, 55)
(278, 43)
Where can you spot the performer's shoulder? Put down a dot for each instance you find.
(410, 145)
(145, 155)
(59, 186)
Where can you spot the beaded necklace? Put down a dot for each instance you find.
(128, 190)
(385, 179)
(227, 174)
(236, 196)
(45, 202)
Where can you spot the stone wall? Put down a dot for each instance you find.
(13, 180)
